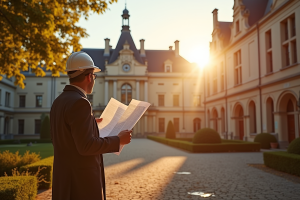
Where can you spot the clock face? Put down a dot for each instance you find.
(126, 67)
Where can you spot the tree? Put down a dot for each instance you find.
(45, 128)
(171, 134)
(40, 34)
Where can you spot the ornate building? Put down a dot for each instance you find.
(253, 82)
(162, 77)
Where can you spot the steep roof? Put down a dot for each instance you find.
(125, 35)
(97, 56)
(225, 32)
(156, 59)
(257, 9)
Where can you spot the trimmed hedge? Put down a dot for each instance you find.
(47, 164)
(206, 136)
(18, 187)
(25, 141)
(294, 146)
(265, 139)
(205, 148)
(283, 161)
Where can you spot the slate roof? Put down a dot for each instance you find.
(225, 32)
(156, 59)
(97, 56)
(257, 9)
(125, 35)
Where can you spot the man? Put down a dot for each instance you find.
(78, 172)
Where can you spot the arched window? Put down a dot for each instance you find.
(252, 113)
(197, 124)
(126, 93)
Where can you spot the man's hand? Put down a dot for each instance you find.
(125, 137)
(98, 120)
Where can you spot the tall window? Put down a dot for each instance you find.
(161, 100)
(269, 51)
(197, 124)
(176, 100)
(126, 93)
(176, 124)
(215, 83)
(288, 41)
(90, 98)
(197, 100)
(222, 77)
(22, 101)
(38, 101)
(238, 67)
(37, 126)
(161, 124)
(7, 99)
(21, 126)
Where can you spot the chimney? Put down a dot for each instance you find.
(170, 48)
(176, 48)
(142, 49)
(106, 50)
(215, 18)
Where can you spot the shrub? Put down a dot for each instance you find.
(45, 128)
(9, 161)
(265, 139)
(294, 146)
(170, 131)
(18, 187)
(45, 166)
(206, 135)
(283, 161)
(203, 148)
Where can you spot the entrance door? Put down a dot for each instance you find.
(291, 127)
(241, 129)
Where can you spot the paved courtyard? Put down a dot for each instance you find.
(145, 170)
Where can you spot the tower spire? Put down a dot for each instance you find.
(125, 19)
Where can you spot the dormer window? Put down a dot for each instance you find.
(237, 26)
(168, 68)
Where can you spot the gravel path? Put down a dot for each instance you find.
(145, 170)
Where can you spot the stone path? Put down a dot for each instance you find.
(145, 170)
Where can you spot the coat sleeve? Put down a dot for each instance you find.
(85, 133)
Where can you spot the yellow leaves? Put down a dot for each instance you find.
(41, 34)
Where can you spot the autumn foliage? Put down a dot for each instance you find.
(41, 34)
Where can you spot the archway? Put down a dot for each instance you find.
(270, 115)
(288, 116)
(239, 122)
(252, 116)
(126, 93)
(196, 124)
(222, 120)
(215, 119)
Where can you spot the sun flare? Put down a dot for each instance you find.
(199, 55)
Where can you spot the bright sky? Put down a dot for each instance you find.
(160, 23)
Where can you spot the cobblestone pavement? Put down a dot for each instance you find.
(145, 170)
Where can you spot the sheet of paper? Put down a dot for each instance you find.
(111, 115)
(121, 117)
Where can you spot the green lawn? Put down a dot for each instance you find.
(45, 149)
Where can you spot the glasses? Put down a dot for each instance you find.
(94, 75)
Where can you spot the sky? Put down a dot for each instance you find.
(160, 23)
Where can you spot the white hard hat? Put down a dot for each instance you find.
(80, 61)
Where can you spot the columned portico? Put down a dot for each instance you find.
(137, 89)
(115, 89)
(106, 92)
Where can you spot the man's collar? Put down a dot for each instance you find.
(79, 88)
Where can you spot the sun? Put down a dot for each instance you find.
(199, 55)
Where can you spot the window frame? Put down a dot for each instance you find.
(38, 102)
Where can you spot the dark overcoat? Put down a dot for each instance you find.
(78, 172)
